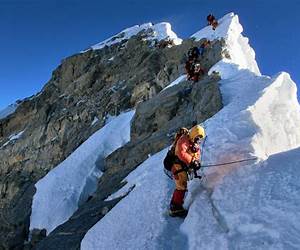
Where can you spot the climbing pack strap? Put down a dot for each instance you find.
(168, 173)
(171, 158)
(183, 169)
(231, 162)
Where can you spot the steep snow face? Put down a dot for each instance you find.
(158, 32)
(60, 192)
(260, 115)
(256, 207)
(277, 113)
(140, 220)
(237, 45)
(8, 110)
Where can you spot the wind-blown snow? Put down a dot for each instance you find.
(8, 110)
(236, 206)
(177, 81)
(13, 137)
(61, 191)
(160, 31)
(94, 121)
(237, 45)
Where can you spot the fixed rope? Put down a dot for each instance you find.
(227, 163)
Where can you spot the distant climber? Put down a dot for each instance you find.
(194, 70)
(211, 20)
(193, 53)
(165, 43)
(187, 159)
(192, 66)
(203, 47)
(198, 71)
(189, 68)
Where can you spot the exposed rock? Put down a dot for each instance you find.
(37, 235)
(178, 106)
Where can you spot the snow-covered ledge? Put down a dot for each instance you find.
(64, 188)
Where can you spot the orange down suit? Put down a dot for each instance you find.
(184, 153)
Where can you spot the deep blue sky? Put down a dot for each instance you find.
(37, 34)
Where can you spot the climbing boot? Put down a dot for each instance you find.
(177, 211)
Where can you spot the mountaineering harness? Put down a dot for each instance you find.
(194, 174)
(207, 166)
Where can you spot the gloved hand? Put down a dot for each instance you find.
(195, 164)
(195, 148)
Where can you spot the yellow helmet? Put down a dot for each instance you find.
(196, 131)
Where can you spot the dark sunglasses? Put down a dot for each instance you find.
(198, 139)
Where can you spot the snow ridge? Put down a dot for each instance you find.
(230, 30)
(160, 31)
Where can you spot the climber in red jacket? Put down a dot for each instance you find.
(187, 151)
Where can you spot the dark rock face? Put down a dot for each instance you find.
(84, 87)
(174, 107)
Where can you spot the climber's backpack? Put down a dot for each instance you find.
(193, 53)
(171, 157)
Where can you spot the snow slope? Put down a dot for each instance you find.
(256, 207)
(236, 205)
(8, 110)
(60, 192)
(259, 211)
(158, 32)
(140, 220)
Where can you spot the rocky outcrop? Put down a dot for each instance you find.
(88, 87)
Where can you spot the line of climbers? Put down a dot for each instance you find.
(193, 68)
(183, 159)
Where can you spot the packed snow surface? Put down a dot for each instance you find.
(8, 110)
(255, 207)
(160, 31)
(140, 220)
(249, 205)
(69, 184)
